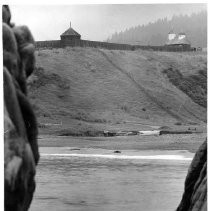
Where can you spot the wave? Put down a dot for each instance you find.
(125, 157)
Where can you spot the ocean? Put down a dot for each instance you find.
(89, 179)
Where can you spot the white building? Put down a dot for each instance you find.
(171, 35)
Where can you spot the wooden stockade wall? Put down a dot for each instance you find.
(82, 43)
(48, 44)
(107, 45)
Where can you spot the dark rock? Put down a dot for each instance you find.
(195, 191)
(117, 151)
(6, 15)
(20, 126)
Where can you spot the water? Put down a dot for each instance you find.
(100, 180)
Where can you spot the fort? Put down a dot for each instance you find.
(72, 38)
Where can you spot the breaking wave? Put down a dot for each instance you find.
(125, 157)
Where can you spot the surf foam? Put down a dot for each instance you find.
(126, 157)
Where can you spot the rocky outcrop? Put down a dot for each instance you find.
(21, 153)
(195, 191)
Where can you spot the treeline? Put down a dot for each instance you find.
(195, 27)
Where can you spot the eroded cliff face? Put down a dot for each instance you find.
(21, 153)
(195, 191)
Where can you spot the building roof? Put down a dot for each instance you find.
(70, 32)
(171, 32)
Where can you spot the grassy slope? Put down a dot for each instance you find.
(97, 89)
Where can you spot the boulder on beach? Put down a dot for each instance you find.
(117, 151)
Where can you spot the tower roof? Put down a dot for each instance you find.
(182, 33)
(71, 32)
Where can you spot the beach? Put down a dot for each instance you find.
(120, 173)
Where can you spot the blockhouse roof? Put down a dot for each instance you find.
(71, 32)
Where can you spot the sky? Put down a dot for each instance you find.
(92, 21)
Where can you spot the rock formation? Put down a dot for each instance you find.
(21, 153)
(195, 191)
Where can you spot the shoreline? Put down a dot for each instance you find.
(190, 142)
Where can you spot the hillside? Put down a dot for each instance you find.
(195, 27)
(81, 90)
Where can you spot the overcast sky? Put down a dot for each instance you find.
(93, 22)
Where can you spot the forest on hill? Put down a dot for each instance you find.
(195, 27)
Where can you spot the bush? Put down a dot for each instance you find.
(124, 108)
(178, 123)
(195, 86)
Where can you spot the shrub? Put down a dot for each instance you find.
(124, 108)
(195, 86)
(178, 123)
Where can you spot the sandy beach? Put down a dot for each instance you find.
(190, 142)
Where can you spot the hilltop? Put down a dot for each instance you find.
(79, 91)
